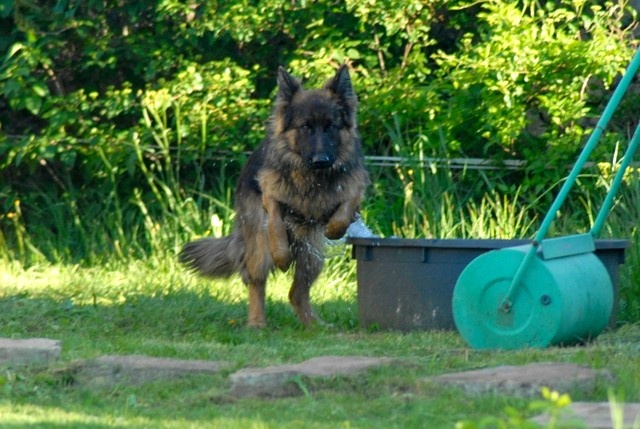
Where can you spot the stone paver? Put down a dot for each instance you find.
(526, 380)
(31, 351)
(137, 369)
(595, 415)
(276, 381)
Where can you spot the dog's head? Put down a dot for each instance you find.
(314, 121)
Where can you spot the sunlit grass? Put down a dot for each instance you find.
(30, 415)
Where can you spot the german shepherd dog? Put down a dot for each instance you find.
(302, 184)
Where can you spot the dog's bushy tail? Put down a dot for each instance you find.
(214, 257)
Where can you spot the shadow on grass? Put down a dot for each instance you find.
(141, 320)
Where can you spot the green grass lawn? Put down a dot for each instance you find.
(157, 309)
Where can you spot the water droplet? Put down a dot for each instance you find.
(358, 229)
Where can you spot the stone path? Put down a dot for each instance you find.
(284, 380)
(275, 381)
(32, 351)
(526, 380)
(137, 369)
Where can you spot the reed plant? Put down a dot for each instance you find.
(424, 196)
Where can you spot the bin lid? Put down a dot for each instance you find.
(461, 243)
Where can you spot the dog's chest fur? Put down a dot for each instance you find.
(312, 195)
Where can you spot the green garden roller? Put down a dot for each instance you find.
(554, 291)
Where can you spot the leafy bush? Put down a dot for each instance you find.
(530, 85)
(124, 124)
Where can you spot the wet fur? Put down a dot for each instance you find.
(303, 183)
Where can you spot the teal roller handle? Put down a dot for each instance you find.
(573, 175)
(615, 184)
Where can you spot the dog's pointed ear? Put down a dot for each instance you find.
(342, 87)
(341, 83)
(287, 85)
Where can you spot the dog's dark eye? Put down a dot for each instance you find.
(306, 127)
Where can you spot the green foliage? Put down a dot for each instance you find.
(123, 125)
(529, 82)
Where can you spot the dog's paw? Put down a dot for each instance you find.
(336, 229)
(281, 258)
(308, 317)
(311, 320)
(257, 324)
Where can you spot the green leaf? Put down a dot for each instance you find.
(13, 49)
(353, 54)
(33, 104)
(40, 89)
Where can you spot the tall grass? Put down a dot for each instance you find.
(421, 198)
(148, 195)
(180, 211)
(623, 222)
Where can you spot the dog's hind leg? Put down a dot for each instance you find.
(309, 263)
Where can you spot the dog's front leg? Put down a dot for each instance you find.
(342, 218)
(278, 241)
(257, 317)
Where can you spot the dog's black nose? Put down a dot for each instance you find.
(321, 161)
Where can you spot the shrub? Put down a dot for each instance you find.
(120, 120)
